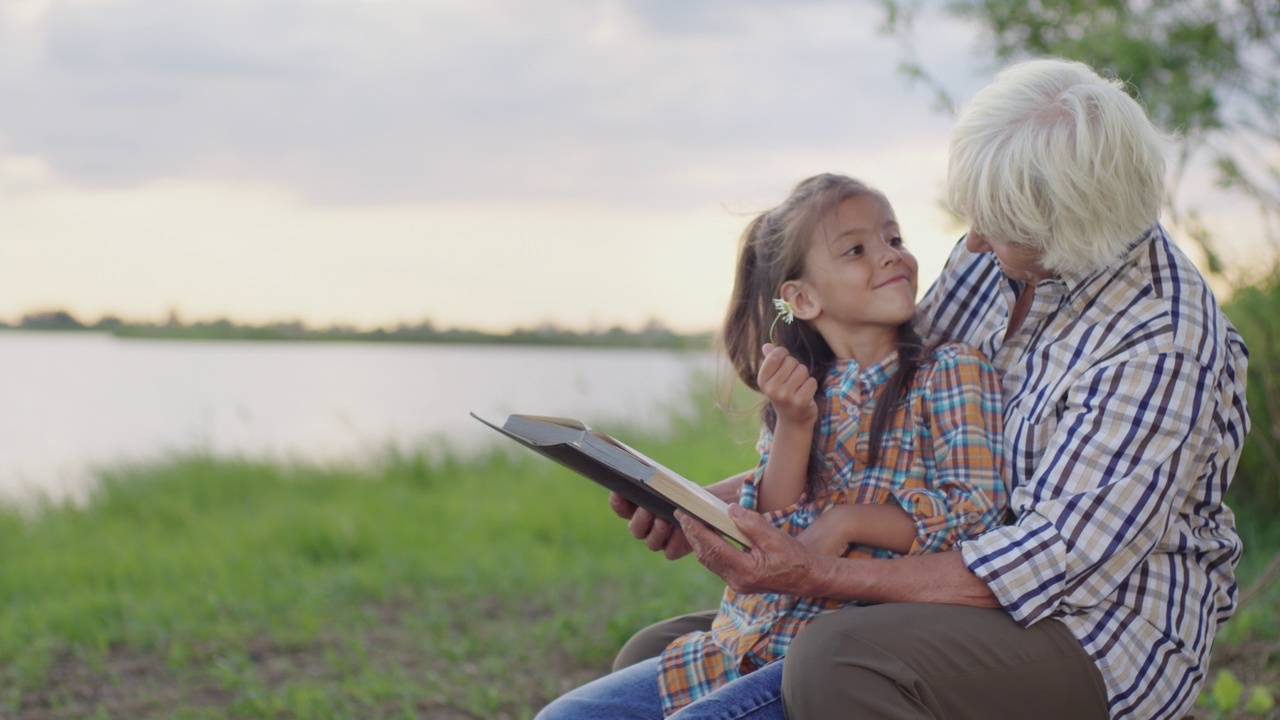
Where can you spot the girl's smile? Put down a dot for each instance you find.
(859, 283)
(896, 279)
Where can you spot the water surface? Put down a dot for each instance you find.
(73, 402)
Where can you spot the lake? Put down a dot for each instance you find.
(71, 403)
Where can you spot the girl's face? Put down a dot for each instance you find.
(859, 281)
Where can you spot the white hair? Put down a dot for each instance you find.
(1053, 156)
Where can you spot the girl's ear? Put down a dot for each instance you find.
(803, 302)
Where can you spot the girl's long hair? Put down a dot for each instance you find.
(772, 251)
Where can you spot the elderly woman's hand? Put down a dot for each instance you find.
(658, 534)
(776, 563)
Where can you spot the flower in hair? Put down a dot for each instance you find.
(786, 313)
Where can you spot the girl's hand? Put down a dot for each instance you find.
(788, 386)
(878, 525)
(831, 533)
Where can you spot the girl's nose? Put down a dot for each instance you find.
(890, 255)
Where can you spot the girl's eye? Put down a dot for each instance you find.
(855, 250)
(897, 242)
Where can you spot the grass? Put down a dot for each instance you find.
(1245, 668)
(430, 586)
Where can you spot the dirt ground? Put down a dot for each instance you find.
(129, 684)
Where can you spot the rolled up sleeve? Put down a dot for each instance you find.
(1104, 491)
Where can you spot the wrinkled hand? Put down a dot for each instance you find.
(776, 563)
(658, 534)
(788, 386)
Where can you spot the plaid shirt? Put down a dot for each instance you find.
(940, 461)
(1124, 418)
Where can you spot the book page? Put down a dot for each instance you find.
(693, 487)
(563, 422)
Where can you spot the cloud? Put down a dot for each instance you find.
(632, 104)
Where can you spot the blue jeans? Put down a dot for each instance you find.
(632, 694)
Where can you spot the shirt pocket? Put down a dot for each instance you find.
(1029, 425)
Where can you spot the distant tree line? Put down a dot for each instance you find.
(652, 335)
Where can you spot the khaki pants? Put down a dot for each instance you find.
(904, 660)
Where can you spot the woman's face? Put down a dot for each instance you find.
(1019, 262)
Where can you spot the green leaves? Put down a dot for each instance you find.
(1177, 56)
(1226, 691)
(1260, 701)
(1206, 70)
(1227, 698)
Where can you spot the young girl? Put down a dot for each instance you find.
(895, 451)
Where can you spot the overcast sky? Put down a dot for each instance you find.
(479, 163)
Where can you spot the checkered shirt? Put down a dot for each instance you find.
(1124, 418)
(940, 461)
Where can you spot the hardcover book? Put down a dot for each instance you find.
(620, 468)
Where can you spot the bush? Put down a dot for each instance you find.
(1254, 311)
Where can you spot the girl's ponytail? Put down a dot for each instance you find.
(743, 329)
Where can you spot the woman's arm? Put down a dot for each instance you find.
(1131, 439)
(1113, 472)
(780, 563)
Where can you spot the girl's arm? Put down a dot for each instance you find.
(782, 564)
(790, 389)
(878, 525)
(964, 494)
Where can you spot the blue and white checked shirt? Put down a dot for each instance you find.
(1124, 417)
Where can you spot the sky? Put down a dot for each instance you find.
(486, 164)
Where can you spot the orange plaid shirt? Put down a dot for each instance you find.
(940, 460)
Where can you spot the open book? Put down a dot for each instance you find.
(622, 469)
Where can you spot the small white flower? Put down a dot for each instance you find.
(786, 313)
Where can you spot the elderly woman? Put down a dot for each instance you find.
(1124, 397)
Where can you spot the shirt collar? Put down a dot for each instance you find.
(844, 375)
(1079, 288)
(1071, 288)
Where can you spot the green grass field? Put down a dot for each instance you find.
(430, 587)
